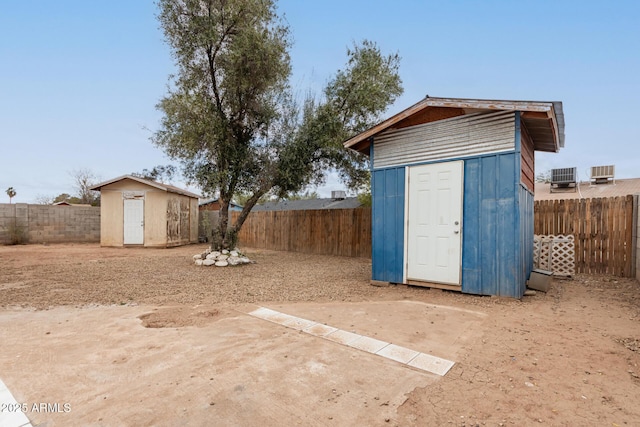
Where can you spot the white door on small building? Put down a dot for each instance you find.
(133, 221)
(434, 231)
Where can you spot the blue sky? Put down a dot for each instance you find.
(79, 80)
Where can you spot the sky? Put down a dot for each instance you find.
(80, 80)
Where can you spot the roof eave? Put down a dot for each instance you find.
(553, 111)
(153, 184)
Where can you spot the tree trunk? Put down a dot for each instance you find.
(219, 234)
(246, 209)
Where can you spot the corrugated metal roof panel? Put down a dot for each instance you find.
(450, 138)
(552, 114)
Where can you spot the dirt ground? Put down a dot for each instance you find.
(568, 357)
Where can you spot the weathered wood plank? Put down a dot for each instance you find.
(602, 229)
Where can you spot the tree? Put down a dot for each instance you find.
(160, 173)
(307, 195)
(83, 180)
(44, 199)
(64, 197)
(544, 177)
(230, 117)
(11, 192)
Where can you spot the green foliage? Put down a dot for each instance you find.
(230, 117)
(64, 197)
(365, 199)
(241, 199)
(307, 195)
(11, 192)
(353, 102)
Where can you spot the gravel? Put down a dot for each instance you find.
(45, 276)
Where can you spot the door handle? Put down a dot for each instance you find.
(456, 231)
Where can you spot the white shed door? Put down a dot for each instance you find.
(434, 232)
(133, 221)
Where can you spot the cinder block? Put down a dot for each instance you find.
(540, 280)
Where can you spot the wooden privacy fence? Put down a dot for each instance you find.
(343, 232)
(602, 228)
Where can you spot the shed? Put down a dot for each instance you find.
(140, 212)
(453, 192)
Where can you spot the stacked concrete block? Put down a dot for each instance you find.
(50, 224)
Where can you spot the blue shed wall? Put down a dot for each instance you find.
(497, 236)
(387, 238)
(491, 234)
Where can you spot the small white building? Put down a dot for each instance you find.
(140, 212)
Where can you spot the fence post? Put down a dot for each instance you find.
(635, 246)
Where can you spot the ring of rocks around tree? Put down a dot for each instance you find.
(221, 258)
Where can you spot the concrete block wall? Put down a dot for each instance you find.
(50, 224)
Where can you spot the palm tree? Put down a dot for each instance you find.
(11, 193)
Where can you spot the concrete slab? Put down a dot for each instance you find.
(12, 413)
(397, 353)
(320, 330)
(343, 337)
(229, 367)
(370, 345)
(430, 363)
(298, 323)
(427, 328)
(403, 355)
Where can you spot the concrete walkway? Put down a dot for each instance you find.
(406, 356)
(11, 412)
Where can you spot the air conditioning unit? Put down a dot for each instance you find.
(602, 174)
(338, 195)
(563, 178)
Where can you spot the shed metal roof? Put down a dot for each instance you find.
(544, 120)
(164, 187)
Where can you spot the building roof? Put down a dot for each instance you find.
(308, 204)
(164, 187)
(78, 205)
(543, 120)
(586, 190)
(209, 201)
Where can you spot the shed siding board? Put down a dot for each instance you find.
(490, 255)
(178, 220)
(526, 235)
(111, 218)
(523, 243)
(155, 218)
(527, 158)
(388, 225)
(463, 136)
(193, 218)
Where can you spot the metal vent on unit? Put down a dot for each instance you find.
(602, 174)
(338, 195)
